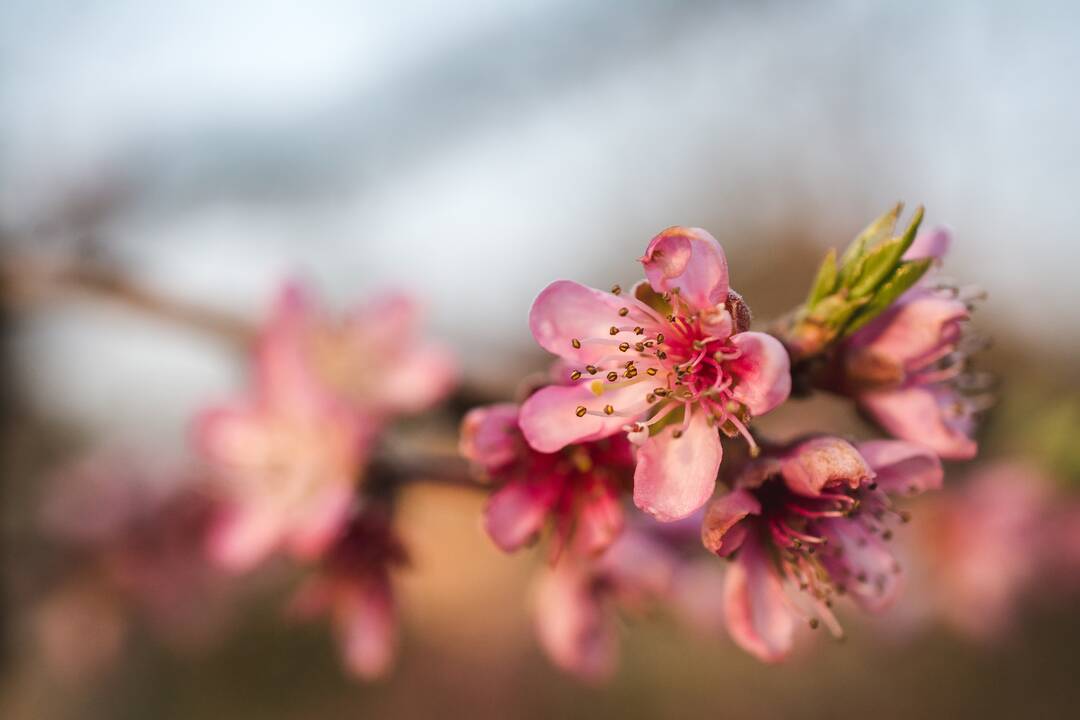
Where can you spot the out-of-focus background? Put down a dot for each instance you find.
(470, 153)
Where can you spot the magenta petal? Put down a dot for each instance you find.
(816, 464)
(691, 260)
(902, 467)
(367, 628)
(933, 243)
(921, 415)
(565, 311)
(723, 531)
(490, 435)
(549, 418)
(762, 372)
(676, 476)
(759, 618)
(516, 512)
(571, 625)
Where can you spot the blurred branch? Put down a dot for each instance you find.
(26, 280)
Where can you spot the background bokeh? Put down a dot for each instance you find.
(470, 153)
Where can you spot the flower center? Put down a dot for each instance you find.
(681, 354)
(823, 543)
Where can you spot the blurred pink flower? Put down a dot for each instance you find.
(371, 358)
(137, 532)
(814, 516)
(286, 461)
(979, 548)
(578, 490)
(289, 458)
(575, 601)
(672, 364)
(907, 367)
(353, 586)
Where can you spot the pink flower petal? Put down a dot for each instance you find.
(933, 243)
(571, 625)
(639, 565)
(691, 260)
(284, 376)
(599, 521)
(674, 477)
(723, 531)
(759, 618)
(367, 628)
(516, 512)
(243, 537)
(816, 464)
(416, 380)
(914, 329)
(320, 521)
(901, 467)
(565, 311)
(549, 421)
(763, 372)
(388, 323)
(869, 571)
(490, 436)
(231, 437)
(921, 415)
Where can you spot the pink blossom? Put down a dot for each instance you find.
(907, 368)
(577, 490)
(672, 364)
(353, 586)
(371, 358)
(137, 530)
(572, 622)
(285, 461)
(576, 600)
(813, 516)
(981, 546)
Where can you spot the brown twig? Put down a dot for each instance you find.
(30, 279)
